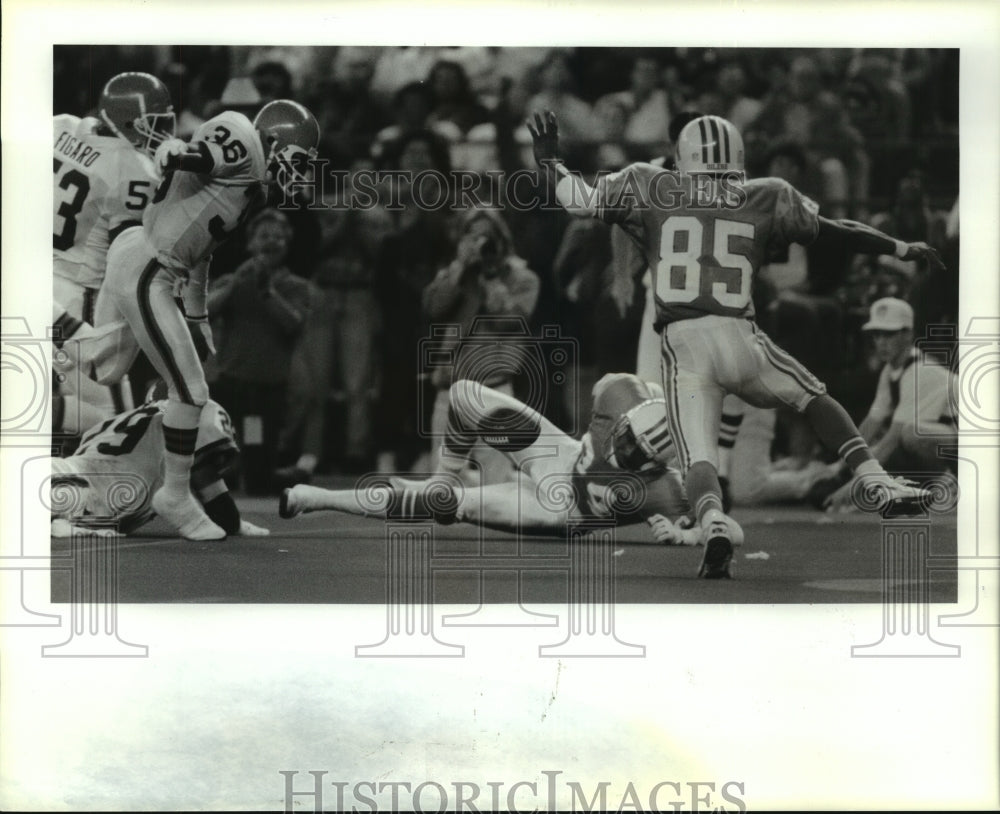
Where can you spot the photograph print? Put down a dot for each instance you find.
(508, 302)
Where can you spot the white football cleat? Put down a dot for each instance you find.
(185, 514)
(248, 529)
(881, 492)
(298, 500)
(721, 535)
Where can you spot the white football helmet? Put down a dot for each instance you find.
(709, 144)
(640, 440)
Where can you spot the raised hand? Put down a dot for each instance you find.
(545, 137)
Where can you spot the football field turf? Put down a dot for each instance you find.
(791, 555)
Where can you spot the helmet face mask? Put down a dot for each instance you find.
(289, 166)
(136, 107)
(640, 438)
(709, 144)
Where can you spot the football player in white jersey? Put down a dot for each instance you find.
(103, 179)
(109, 481)
(209, 186)
(622, 469)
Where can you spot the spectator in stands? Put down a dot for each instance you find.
(336, 352)
(273, 81)
(878, 102)
(352, 116)
(647, 107)
(485, 278)
(262, 307)
(728, 98)
(802, 112)
(411, 106)
(452, 99)
(418, 243)
(557, 93)
(934, 294)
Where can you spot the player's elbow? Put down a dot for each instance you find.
(576, 196)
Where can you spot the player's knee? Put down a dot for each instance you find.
(198, 393)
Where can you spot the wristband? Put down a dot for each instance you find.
(901, 249)
(202, 318)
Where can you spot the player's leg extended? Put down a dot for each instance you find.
(733, 408)
(513, 506)
(163, 334)
(503, 506)
(787, 381)
(694, 408)
(528, 439)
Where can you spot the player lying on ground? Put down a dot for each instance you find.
(706, 231)
(620, 469)
(110, 480)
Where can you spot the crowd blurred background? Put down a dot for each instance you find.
(319, 312)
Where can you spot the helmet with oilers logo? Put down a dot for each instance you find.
(136, 107)
(290, 135)
(640, 440)
(709, 144)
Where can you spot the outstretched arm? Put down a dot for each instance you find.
(175, 154)
(574, 194)
(864, 239)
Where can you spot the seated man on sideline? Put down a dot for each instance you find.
(912, 414)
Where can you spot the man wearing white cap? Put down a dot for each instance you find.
(912, 413)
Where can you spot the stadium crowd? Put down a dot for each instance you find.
(321, 312)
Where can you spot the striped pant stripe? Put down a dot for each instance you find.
(788, 364)
(156, 335)
(673, 408)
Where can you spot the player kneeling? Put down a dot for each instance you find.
(110, 480)
(619, 470)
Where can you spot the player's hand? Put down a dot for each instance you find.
(545, 137)
(921, 251)
(248, 529)
(61, 528)
(666, 532)
(622, 293)
(167, 153)
(201, 333)
(841, 501)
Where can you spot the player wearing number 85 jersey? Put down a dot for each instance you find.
(705, 232)
(209, 186)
